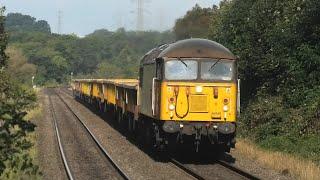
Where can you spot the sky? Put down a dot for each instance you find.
(82, 17)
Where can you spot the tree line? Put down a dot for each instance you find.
(101, 54)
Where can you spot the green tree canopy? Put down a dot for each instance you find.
(20, 22)
(194, 24)
(3, 37)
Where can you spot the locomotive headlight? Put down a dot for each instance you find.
(171, 107)
(225, 108)
(198, 89)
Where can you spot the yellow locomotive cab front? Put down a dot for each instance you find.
(199, 97)
(209, 102)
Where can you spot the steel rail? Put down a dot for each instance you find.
(105, 153)
(229, 166)
(63, 156)
(186, 169)
(237, 170)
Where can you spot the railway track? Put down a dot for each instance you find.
(63, 156)
(236, 172)
(186, 169)
(69, 171)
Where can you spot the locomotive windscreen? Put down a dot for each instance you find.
(200, 69)
(220, 70)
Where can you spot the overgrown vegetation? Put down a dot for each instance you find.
(15, 101)
(278, 43)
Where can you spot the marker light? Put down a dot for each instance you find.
(225, 108)
(226, 101)
(171, 107)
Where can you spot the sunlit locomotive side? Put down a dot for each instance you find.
(189, 90)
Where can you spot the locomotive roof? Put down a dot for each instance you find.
(189, 48)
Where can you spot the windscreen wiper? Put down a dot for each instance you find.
(213, 65)
(182, 61)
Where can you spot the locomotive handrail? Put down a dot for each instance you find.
(238, 98)
(153, 102)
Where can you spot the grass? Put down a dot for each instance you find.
(280, 161)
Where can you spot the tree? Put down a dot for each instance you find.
(19, 22)
(194, 24)
(55, 56)
(3, 39)
(18, 67)
(279, 50)
(15, 101)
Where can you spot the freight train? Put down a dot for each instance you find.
(187, 90)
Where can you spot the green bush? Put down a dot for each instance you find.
(306, 147)
(15, 101)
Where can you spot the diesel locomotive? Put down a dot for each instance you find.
(186, 90)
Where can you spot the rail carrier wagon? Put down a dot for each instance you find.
(186, 91)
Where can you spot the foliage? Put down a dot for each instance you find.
(3, 39)
(279, 50)
(99, 54)
(19, 22)
(18, 67)
(194, 24)
(15, 101)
